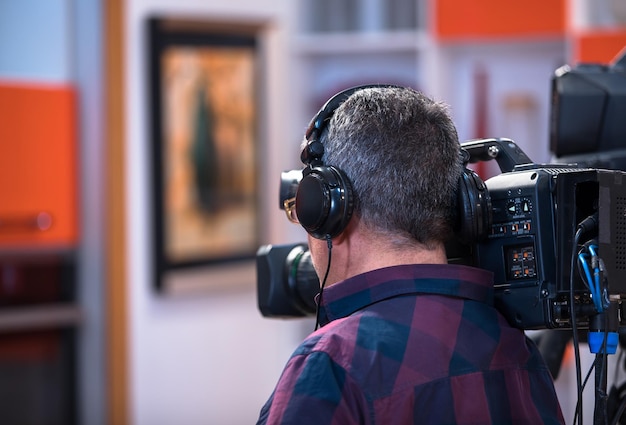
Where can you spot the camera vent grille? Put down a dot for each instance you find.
(620, 229)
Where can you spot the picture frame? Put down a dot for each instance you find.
(203, 106)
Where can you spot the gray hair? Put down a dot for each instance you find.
(400, 150)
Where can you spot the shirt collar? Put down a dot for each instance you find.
(345, 297)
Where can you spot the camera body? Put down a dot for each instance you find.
(531, 246)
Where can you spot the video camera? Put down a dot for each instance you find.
(557, 242)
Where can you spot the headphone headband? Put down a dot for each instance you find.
(314, 150)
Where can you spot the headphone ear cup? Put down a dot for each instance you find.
(474, 209)
(324, 201)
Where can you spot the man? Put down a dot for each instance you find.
(404, 337)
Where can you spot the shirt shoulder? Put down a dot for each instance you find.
(314, 389)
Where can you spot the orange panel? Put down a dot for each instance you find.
(38, 178)
(599, 47)
(480, 19)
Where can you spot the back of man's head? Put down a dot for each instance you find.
(400, 150)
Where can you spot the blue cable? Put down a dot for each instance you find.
(595, 293)
(596, 272)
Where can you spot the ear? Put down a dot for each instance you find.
(353, 226)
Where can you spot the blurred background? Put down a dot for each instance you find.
(99, 324)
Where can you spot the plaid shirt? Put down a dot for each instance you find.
(414, 344)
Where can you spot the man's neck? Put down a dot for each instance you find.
(362, 253)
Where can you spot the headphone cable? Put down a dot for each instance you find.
(329, 242)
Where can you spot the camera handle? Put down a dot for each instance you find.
(505, 151)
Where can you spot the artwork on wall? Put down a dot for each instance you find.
(203, 103)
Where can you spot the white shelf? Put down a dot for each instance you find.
(56, 251)
(328, 44)
(14, 319)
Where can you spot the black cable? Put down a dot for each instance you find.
(579, 387)
(620, 360)
(618, 391)
(584, 226)
(620, 412)
(587, 376)
(329, 242)
(601, 395)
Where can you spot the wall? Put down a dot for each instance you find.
(58, 42)
(34, 24)
(517, 93)
(204, 357)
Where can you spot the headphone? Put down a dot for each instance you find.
(325, 200)
(473, 206)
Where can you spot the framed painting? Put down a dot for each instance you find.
(203, 103)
